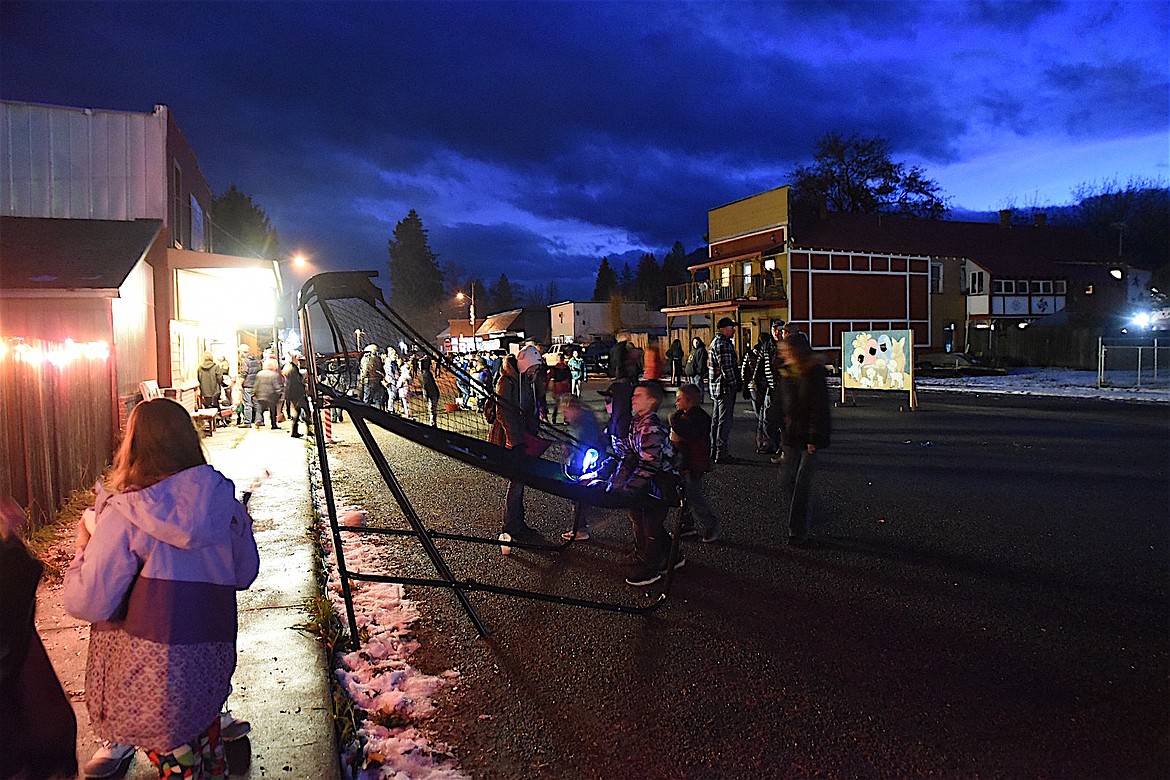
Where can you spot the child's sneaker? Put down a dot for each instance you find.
(643, 578)
(110, 760)
(231, 728)
(581, 535)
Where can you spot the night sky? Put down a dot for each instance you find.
(534, 138)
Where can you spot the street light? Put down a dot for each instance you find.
(461, 297)
(471, 314)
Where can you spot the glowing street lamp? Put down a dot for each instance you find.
(460, 296)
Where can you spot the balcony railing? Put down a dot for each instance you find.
(758, 287)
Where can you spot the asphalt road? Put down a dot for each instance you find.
(987, 597)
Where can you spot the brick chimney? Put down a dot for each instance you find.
(1005, 217)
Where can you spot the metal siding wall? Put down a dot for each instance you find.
(133, 325)
(80, 188)
(68, 163)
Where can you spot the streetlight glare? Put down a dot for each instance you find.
(300, 261)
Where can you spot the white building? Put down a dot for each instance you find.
(580, 322)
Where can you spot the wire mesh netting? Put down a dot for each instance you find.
(365, 350)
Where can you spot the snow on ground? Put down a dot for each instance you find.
(1061, 382)
(393, 697)
(396, 697)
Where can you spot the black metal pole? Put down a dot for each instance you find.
(326, 477)
(415, 521)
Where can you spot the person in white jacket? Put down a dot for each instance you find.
(157, 577)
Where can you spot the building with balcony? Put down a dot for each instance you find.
(831, 273)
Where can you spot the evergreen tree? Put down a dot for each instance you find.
(648, 285)
(674, 265)
(606, 284)
(626, 281)
(502, 295)
(416, 280)
(856, 175)
(239, 227)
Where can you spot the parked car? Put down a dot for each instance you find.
(553, 353)
(950, 364)
(597, 356)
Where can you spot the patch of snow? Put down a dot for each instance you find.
(1055, 382)
(392, 696)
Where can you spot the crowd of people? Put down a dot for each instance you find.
(780, 375)
(260, 386)
(160, 662)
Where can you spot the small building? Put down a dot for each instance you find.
(581, 322)
(504, 329)
(104, 239)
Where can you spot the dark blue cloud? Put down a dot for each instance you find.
(536, 134)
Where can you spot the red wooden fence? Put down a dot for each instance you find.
(57, 421)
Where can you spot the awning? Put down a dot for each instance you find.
(497, 324)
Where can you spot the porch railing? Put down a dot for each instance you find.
(758, 287)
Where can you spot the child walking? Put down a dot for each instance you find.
(690, 432)
(157, 577)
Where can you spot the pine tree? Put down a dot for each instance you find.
(239, 227)
(648, 285)
(674, 265)
(606, 284)
(626, 281)
(502, 295)
(416, 280)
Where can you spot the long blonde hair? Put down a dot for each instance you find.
(160, 440)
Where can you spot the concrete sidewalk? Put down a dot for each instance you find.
(281, 681)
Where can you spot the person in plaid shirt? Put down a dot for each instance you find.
(722, 372)
(647, 463)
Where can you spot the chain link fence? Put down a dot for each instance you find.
(1133, 362)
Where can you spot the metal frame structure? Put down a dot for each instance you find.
(532, 471)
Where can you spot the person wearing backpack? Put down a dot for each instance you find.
(696, 368)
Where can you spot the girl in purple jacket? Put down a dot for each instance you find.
(170, 547)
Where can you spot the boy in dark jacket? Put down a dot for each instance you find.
(690, 432)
